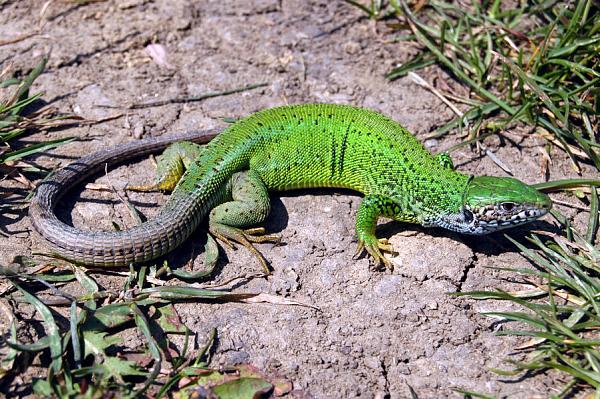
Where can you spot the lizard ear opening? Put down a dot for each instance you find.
(467, 215)
(464, 195)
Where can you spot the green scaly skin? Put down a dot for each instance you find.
(285, 148)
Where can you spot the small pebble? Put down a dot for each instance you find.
(430, 143)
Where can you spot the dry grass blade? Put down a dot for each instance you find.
(187, 293)
(17, 38)
(276, 300)
(201, 97)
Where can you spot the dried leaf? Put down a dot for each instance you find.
(169, 320)
(275, 300)
(243, 388)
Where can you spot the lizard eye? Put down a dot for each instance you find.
(508, 206)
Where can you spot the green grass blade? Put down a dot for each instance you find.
(419, 62)
(34, 149)
(592, 228)
(142, 323)
(52, 331)
(23, 92)
(556, 185)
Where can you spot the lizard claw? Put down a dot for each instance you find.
(376, 248)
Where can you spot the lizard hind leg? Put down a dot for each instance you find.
(171, 165)
(249, 206)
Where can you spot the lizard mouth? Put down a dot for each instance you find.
(489, 219)
(484, 223)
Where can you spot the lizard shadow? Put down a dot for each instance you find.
(13, 209)
(188, 252)
(25, 360)
(497, 243)
(192, 250)
(278, 218)
(490, 245)
(65, 207)
(181, 258)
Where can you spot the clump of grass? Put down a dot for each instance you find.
(17, 118)
(563, 322)
(537, 64)
(86, 358)
(533, 64)
(373, 9)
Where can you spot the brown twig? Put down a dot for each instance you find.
(179, 100)
(18, 38)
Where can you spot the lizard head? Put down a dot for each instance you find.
(491, 203)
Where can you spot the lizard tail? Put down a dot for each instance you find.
(141, 243)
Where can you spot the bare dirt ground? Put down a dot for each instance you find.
(377, 332)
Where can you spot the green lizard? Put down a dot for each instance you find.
(284, 148)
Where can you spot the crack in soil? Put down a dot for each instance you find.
(384, 374)
(466, 271)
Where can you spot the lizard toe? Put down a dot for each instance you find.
(258, 235)
(376, 249)
(228, 235)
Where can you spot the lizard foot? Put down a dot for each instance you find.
(376, 248)
(142, 188)
(230, 235)
(152, 187)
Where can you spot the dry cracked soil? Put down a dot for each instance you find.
(376, 332)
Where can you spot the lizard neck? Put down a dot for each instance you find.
(431, 198)
(447, 197)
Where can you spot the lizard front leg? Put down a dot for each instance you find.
(371, 208)
(250, 205)
(171, 165)
(444, 160)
